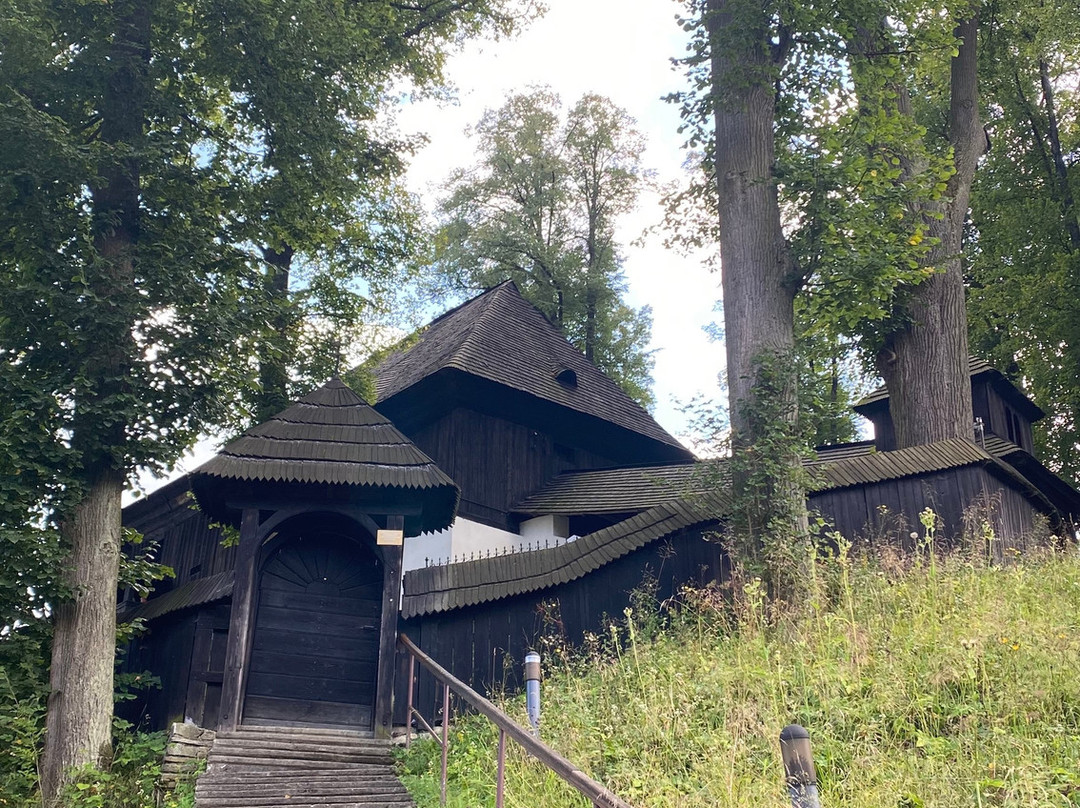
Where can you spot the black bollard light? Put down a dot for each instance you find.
(532, 690)
(799, 767)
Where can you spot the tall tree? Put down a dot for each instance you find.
(130, 154)
(541, 208)
(835, 185)
(877, 136)
(732, 113)
(1024, 239)
(321, 209)
(923, 352)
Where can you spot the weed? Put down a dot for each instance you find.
(948, 683)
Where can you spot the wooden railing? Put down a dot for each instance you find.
(563, 768)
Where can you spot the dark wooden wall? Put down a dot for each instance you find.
(1004, 420)
(187, 544)
(496, 462)
(485, 645)
(888, 512)
(998, 416)
(186, 651)
(203, 701)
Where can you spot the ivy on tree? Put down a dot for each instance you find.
(842, 141)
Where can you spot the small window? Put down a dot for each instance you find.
(1013, 427)
(566, 377)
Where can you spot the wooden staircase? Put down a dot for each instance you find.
(279, 767)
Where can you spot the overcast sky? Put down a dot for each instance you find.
(621, 49)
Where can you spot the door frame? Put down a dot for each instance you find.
(255, 531)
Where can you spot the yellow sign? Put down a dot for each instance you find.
(394, 538)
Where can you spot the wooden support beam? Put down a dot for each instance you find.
(391, 606)
(241, 621)
(307, 506)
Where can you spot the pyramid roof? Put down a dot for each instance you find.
(331, 436)
(501, 337)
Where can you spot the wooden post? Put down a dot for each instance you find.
(241, 622)
(391, 607)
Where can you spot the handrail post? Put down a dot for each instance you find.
(409, 700)
(570, 774)
(500, 777)
(445, 740)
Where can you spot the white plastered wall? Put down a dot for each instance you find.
(465, 539)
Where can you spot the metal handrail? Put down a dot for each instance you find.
(570, 774)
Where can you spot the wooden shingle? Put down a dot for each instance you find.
(331, 436)
(501, 337)
(479, 581)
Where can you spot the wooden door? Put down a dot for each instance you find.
(315, 648)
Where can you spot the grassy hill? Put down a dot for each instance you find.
(927, 682)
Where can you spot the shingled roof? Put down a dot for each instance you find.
(621, 490)
(624, 490)
(670, 499)
(197, 592)
(452, 586)
(331, 437)
(501, 337)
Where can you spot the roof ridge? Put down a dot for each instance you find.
(483, 301)
(452, 311)
(475, 580)
(353, 444)
(501, 337)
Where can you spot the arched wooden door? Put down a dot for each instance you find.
(315, 648)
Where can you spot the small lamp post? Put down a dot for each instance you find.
(799, 767)
(532, 690)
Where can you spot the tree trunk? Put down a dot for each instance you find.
(759, 278)
(80, 708)
(1061, 171)
(79, 723)
(275, 352)
(925, 361)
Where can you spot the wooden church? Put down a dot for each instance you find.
(499, 487)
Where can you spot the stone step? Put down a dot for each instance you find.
(306, 783)
(254, 759)
(329, 787)
(255, 800)
(271, 776)
(342, 741)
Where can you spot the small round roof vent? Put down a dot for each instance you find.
(565, 376)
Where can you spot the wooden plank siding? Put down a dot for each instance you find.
(888, 512)
(516, 460)
(485, 644)
(189, 546)
(316, 635)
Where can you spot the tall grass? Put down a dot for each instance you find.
(941, 682)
